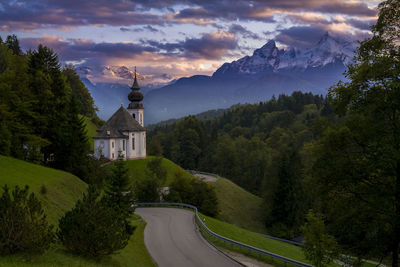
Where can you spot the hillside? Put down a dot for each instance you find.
(137, 168)
(63, 188)
(239, 207)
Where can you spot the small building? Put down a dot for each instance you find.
(124, 133)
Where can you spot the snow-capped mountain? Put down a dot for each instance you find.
(268, 71)
(269, 58)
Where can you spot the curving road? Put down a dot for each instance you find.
(172, 240)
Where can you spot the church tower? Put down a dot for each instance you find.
(135, 108)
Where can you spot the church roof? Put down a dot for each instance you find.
(121, 121)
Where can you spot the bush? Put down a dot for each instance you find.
(23, 224)
(194, 192)
(94, 228)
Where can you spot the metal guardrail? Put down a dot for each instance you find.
(205, 173)
(281, 239)
(225, 239)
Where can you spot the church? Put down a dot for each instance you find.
(124, 133)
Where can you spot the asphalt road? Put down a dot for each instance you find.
(172, 240)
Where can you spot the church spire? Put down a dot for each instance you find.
(135, 96)
(135, 85)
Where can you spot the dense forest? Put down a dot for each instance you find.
(327, 167)
(41, 109)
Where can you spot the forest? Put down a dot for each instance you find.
(41, 109)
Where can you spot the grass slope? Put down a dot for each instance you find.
(137, 169)
(91, 131)
(239, 207)
(252, 239)
(63, 189)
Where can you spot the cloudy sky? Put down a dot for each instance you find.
(175, 38)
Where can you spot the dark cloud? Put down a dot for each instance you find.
(210, 46)
(27, 15)
(300, 37)
(346, 8)
(236, 28)
(145, 28)
(307, 36)
(361, 24)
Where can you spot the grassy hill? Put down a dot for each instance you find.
(63, 190)
(239, 207)
(91, 130)
(137, 168)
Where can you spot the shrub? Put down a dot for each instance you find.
(23, 224)
(93, 227)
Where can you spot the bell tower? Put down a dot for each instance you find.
(135, 107)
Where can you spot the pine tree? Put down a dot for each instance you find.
(94, 227)
(118, 189)
(13, 44)
(23, 224)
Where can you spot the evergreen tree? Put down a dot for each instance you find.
(23, 224)
(94, 227)
(13, 44)
(119, 190)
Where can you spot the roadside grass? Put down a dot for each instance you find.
(91, 130)
(137, 169)
(239, 207)
(134, 254)
(62, 188)
(244, 236)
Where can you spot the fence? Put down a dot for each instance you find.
(204, 228)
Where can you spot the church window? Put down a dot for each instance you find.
(123, 145)
(112, 155)
(112, 144)
(133, 142)
(133, 115)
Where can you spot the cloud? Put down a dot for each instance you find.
(238, 29)
(212, 45)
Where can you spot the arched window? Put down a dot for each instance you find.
(133, 115)
(133, 141)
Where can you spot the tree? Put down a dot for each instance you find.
(319, 247)
(94, 227)
(13, 44)
(23, 224)
(358, 161)
(82, 95)
(119, 190)
(155, 147)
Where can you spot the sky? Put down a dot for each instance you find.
(169, 39)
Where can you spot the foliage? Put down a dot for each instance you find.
(23, 224)
(119, 190)
(94, 227)
(194, 192)
(148, 189)
(319, 247)
(357, 160)
(39, 108)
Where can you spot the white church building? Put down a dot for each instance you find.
(124, 133)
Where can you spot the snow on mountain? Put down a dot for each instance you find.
(328, 50)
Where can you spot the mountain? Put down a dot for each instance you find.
(268, 71)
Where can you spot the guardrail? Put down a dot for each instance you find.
(206, 173)
(225, 239)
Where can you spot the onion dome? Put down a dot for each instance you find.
(135, 95)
